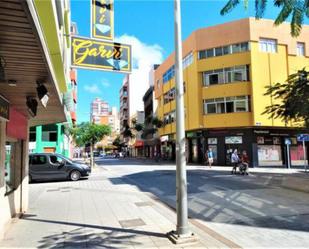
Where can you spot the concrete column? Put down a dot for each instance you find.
(39, 145)
(59, 139)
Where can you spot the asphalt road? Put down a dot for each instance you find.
(245, 209)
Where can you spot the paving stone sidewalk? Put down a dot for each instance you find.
(100, 212)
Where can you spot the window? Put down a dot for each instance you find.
(201, 54)
(37, 160)
(300, 49)
(227, 50)
(227, 105)
(187, 61)
(211, 108)
(268, 45)
(32, 136)
(169, 117)
(55, 159)
(209, 53)
(236, 48)
(219, 51)
(226, 75)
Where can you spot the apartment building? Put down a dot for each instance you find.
(131, 94)
(224, 83)
(101, 113)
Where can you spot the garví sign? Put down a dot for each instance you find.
(102, 19)
(105, 55)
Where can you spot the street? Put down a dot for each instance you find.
(246, 209)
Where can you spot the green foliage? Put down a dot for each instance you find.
(117, 141)
(294, 96)
(157, 122)
(138, 127)
(127, 132)
(298, 9)
(88, 133)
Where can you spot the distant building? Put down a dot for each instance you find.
(100, 113)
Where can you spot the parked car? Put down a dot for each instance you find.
(51, 166)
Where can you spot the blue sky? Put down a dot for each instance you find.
(152, 24)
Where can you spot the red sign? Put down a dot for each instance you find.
(17, 127)
(139, 143)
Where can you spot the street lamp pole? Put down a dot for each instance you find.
(181, 174)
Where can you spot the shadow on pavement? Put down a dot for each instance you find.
(218, 196)
(83, 236)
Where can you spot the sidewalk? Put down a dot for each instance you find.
(102, 211)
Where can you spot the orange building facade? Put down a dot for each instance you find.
(226, 69)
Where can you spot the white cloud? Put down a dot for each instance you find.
(92, 88)
(144, 56)
(105, 83)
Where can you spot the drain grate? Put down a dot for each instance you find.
(143, 203)
(132, 223)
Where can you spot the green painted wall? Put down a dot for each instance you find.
(58, 145)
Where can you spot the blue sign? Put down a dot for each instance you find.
(303, 137)
(287, 141)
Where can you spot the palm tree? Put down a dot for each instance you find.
(294, 96)
(298, 9)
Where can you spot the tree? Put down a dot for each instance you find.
(88, 133)
(294, 97)
(117, 142)
(298, 9)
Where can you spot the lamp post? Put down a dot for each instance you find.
(182, 234)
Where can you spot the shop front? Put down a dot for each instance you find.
(265, 147)
(168, 147)
(195, 149)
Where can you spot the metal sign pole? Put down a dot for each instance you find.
(181, 188)
(182, 234)
(304, 148)
(288, 153)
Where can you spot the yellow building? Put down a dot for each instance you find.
(226, 69)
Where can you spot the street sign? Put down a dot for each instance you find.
(102, 19)
(287, 141)
(103, 55)
(303, 137)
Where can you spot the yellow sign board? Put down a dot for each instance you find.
(104, 55)
(102, 19)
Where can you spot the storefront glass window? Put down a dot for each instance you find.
(8, 167)
(269, 155)
(297, 155)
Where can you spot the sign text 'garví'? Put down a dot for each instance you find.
(104, 55)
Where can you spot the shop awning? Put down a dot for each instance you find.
(26, 63)
(139, 143)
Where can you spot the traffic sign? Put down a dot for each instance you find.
(303, 137)
(287, 141)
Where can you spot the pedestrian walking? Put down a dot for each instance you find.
(245, 161)
(234, 160)
(210, 156)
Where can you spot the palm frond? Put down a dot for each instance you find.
(260, 6)
(284, 14)
(231, 4)
(297, 20)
